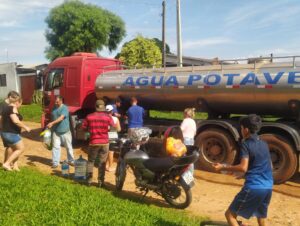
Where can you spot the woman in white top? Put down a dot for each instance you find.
(110, 157)
(188, 126)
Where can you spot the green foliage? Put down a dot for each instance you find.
(32, 198)
(77, 27)
(37, 97)
(178, 115)
(141, 52)
(160, 45)
(31, 112)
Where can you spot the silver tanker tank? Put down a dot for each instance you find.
(261, 88)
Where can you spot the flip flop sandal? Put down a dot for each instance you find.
(6, 168)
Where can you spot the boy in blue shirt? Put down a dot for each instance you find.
(255, 196)
(135, 115)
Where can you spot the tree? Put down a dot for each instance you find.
(160, 45)
(141, 52)
(77, 27)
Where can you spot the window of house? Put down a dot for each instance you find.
(3, 80)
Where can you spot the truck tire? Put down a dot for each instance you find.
(284, 158)
(215, 145)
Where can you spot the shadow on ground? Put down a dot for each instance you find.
(213, 223)
(33, 134)
(32, 159)
(134, 196)
(296, 178)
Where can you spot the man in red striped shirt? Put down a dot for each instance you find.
(98, 124)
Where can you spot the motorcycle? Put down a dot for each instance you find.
(169, 177)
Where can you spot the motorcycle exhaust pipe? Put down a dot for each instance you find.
(144, 184)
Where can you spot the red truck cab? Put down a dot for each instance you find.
(73, 77)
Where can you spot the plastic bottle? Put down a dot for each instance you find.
(226, 171)
(80, 169)
(47, 139)
(65, 169)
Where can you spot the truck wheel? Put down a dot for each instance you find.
(215, 145)
(284, 158)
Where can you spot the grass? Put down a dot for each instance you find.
(31, 198)
(178, 115)
(32, 112)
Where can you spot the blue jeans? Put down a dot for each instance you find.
(189, 141)
(66, 140)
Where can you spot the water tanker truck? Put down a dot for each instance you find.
(269, 89)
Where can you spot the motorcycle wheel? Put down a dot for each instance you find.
(120, 175)
(176, 194)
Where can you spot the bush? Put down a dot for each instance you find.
(37, 97)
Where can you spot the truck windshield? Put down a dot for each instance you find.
(54, 79)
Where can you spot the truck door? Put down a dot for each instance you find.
(72, 94)
(53, 83)
(88, 92)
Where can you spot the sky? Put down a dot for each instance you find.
(227, 29)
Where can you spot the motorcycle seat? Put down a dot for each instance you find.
(186, 160)
(163, 164)
(159, 164)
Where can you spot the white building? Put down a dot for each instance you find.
(8, 79)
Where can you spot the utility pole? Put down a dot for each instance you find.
(179, 47)
(164, 33)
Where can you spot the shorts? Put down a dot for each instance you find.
(3, 141)
(188, 141)
(10, 139)
(251, 202)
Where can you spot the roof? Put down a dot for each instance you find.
(171, 60)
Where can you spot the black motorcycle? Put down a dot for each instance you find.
(169, 177)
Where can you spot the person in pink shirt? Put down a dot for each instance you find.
(188, 126)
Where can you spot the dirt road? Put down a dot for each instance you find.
(211, 195)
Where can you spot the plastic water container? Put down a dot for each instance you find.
(47, 138)
(65, 169)
(80, 168)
